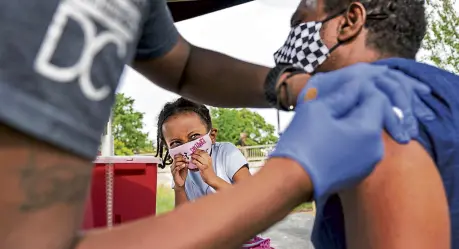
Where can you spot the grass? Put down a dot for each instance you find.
(165, 201)
(305, 207)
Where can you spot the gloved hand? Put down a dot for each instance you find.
(403, 95)
(337, 137)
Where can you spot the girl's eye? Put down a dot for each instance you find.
(195, 136)
(175, 144)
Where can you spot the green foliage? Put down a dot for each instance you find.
(127, 125)
(121, 149)
(442, 38)
(232, 122)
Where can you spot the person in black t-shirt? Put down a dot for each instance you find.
(241, 143)
(242, 139)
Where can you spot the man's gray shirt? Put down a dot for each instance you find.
(60, 63)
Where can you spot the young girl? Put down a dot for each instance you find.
(183, 121)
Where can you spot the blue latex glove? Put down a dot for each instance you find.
(337, 137)
(401, 89)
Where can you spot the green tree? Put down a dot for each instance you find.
(127, 125)
(232, 122)
(442, 38)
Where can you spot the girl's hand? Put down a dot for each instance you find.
(203, 161)
(179, 170)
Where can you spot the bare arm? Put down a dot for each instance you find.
(180, 196)
(42, 193)
(179, 170)
(210, 77)
(241, 174)
(401, 205)
(207, 228)
(221, 184)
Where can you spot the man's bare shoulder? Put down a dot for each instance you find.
(396, 202)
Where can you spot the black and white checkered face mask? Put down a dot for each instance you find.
(304, 47)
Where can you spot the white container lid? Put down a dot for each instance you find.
(128, 159)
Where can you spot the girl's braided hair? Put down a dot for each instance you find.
(181, 105)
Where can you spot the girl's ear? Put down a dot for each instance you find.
(213, 134)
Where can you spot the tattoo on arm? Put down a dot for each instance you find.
(45, 185)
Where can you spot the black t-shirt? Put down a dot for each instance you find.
(60, 63)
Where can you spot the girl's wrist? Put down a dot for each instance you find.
(213, 181)
(179, 188)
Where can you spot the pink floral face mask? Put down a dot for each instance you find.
(203, 143)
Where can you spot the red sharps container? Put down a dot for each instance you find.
(123, 189)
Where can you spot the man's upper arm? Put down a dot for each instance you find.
(401, 205)
(198, 74)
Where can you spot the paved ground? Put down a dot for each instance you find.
(291, 233)
(164, 177)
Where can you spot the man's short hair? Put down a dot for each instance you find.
(400, 34)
